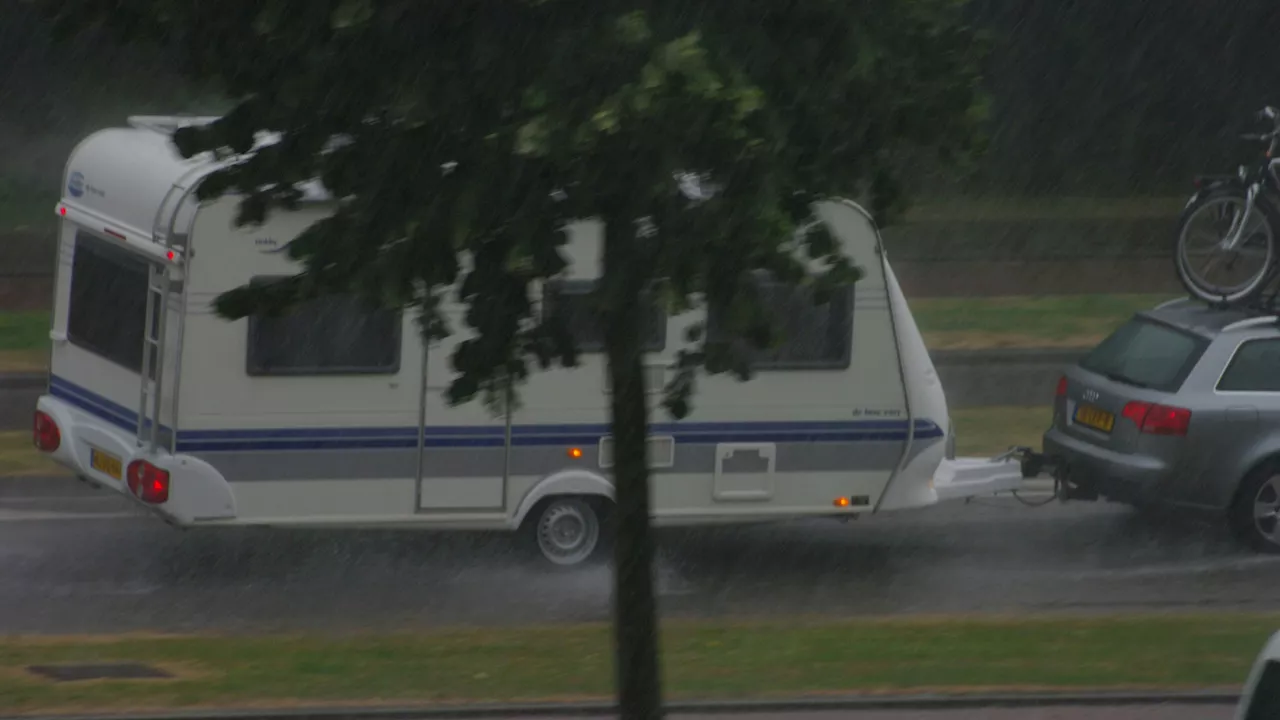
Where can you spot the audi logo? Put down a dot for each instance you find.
(1091, 395)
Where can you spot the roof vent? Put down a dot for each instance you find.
(167, 124)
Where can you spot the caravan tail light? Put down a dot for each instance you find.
(45, 433)
(148, 482)
(1154, 419)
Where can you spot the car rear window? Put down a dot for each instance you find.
(1148, 354)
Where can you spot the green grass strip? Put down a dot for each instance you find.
(1040, 321)
(701, 660)
(24, 330)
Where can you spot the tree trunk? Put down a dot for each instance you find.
(635, 611)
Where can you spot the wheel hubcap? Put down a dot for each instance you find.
(568, 532)
(1266, 510)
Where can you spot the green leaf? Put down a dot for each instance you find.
(269, 17)
(633, 28)
(351, 13)
(533, 137)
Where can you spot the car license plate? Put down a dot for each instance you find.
(105, 463)
(1096, 418)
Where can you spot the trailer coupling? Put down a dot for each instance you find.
(1035, 464)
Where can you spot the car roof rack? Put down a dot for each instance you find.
(1175, 301)
(1265, 303)
(1261, 310)
(1251, 322)
(1265, 309)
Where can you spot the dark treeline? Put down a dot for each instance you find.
(1089, 97)
(1121, 96)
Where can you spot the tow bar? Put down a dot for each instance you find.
(1035, 464)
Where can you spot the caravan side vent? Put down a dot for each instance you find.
(662, 451)
(744, 471)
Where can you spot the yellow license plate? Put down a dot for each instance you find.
(104, 463)
(1096, 418)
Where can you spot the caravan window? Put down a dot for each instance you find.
(572, 300)
(339, 334)
(812, 337)
(108, 308)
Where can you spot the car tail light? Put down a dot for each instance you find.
(1155, 419)
(1061, 391)
(148, 482)
(45, 432)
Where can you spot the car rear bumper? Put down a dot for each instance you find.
(1093, 471)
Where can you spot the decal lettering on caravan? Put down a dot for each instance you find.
(269, 245)
(77, 186)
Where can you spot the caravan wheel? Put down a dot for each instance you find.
(567, 531)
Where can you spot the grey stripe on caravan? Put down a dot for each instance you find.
(261, 465)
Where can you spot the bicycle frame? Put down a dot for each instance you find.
(1265, 178)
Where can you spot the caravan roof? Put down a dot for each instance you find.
(128, 176)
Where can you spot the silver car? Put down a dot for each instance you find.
(1179, 406)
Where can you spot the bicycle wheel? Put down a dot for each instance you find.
(1208, 270)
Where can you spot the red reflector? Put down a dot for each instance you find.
(1062, 387)
(148, 482)
(62, 211)
(113, 233)
(171, 255)
(1155, 419)
(45, 433)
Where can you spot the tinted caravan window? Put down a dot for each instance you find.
(572, 301)
(811, 336)
(108, 308)
(334, 335)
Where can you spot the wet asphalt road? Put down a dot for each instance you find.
(74, 560)
(1129, 712)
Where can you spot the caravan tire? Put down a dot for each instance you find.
(569, 531)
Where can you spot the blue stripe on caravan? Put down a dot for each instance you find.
(587, 435)
(95, 404)
(585, 428)
(481, 436)
(92, 407)
(588, 440)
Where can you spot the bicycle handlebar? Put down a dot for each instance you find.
(1267, 113)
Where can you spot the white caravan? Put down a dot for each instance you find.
(332, 416)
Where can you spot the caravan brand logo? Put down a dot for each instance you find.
(75, 184)
(269, 245)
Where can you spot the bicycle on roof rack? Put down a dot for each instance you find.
(1231, 222)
